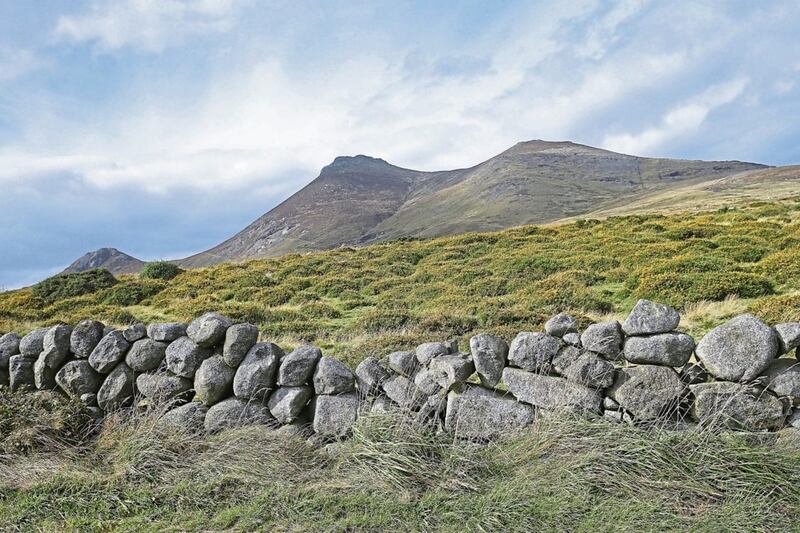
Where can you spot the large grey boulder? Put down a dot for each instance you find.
(256, 375)
(286, 404)
(604, 338)
(118, 389)
(135, 332)
(427, 351)
(565, 357)
(21, 373)
(404, 392)
(298, 366)
(560, 325)
(235, 412)
(109, 352)
(85, 336)
(549, 392)
(370, 375)
(184, 357)
(56, 345)
(788, 336)
(163, 386)
(238, 340)
(208, 330)
(213, 381)
(533, 351)
(44, 377)
(190, 417)
(483, 414)
(489, 354)
(9, 345)
(737, 406)
(166, 331)
(738, 350)
(334, 416)
(648, 318)
(665, 349)
(77, 378)
(333, 377)
(590, 370)
(404, 363)
(32, 344)
(648, 392)
(145, 355)
(782, 377)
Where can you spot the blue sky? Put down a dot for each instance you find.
(162, 127)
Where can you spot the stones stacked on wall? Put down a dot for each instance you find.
(212, 374)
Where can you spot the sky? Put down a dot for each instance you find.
(162, 127)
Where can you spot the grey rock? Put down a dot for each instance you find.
(9, 345)
(118, 389)
(483, 414)
(56, 345)
(489, 354)
(190, 417)
(404, 392)
(333, 377)
(145, 355)
(213, 381)
(235, 412)
(549, 392)
(184, 357)
(533, 351)
(404, 363)
(238, 340)
(44, 377)
(208, 330)
(85, 336)
(286, 404)
(427, 351)
(591, 371)
(256, 374)
(297, 367)
(565, 357)
(788, 336)
(429, 381)
(648, 392)
(370, 375)
(77, 378)
(381, 404)
(736, 406)
(334, 416)
(21, 373)
(89, 399)
(738, 350)
(166, 331)
(560, 325)
(109, 352)
(455, 368)
(610, 404)
(665, 349)
(647, 318)
(604, 338)
(32, 344)
(692, 374)
(135, 332)
(782, 377)
(452, 346)
(794, 419)
(573, 339)
(163, 387)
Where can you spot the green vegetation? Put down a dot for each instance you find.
(64, 286)
(163, 270)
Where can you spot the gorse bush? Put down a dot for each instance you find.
(163, 270)
(65, 286)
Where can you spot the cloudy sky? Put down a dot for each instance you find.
(161, 127)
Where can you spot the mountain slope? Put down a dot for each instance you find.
(111, 259)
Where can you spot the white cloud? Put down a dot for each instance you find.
(148, 24)
(16, 63)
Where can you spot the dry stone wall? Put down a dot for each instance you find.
(212, 374)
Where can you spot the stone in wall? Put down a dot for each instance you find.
(533, 351)
(738, 350)
(737, 406)
(604, 338)
(484, 414)
(257, 373)
(648, 392)
(208, 330)
(238, 341)
(297, 368)
(213, 381)
(548, 392)
(648, 318)
(489, 354)
(334, 416)
(85, 336)
(666, 349)
(109, 352)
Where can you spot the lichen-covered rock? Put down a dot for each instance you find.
(604, 338)
(404, 392)
(404, 363)
(560, 325)
(782, 377)
(238, 340)
(297, 368)
(736, 406)
(184, 357)
(286, 404)
(648, 392)
(648, 318)
(565, 356)
(788, 336)
(692, 374)
(44, 377)
(235, 412)
(738, 350)
(166, 331)
(21, 372)
(591, 371)
(549, 392)
(56, 345)
(189, 417)
(77, 378)
(484, 414)
(533, 351)
(573, 339)
(213, 381)
(118, 389)
(163, 386)
(455, 369)
(427, 351)
(9, 345)
(333, 377)
(85, 336)
(109, 352)
(334, 416)
(256, 375)
(370, 375)
(665, 349)
(489, 354)
(32, 344)
(208, 330)
(145, 355)
(135, 332)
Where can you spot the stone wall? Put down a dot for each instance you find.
(211, 374)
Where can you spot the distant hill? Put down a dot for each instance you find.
(111, 259)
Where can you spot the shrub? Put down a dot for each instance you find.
(65, 286)
(679, 288)
(783, 267)
(163, 270)
(132, 292)
(776, 309)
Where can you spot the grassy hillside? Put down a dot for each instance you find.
(369, 300)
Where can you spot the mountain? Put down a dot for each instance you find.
(356, 200)
(111, 259)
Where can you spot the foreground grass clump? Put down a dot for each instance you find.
(562, 474)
